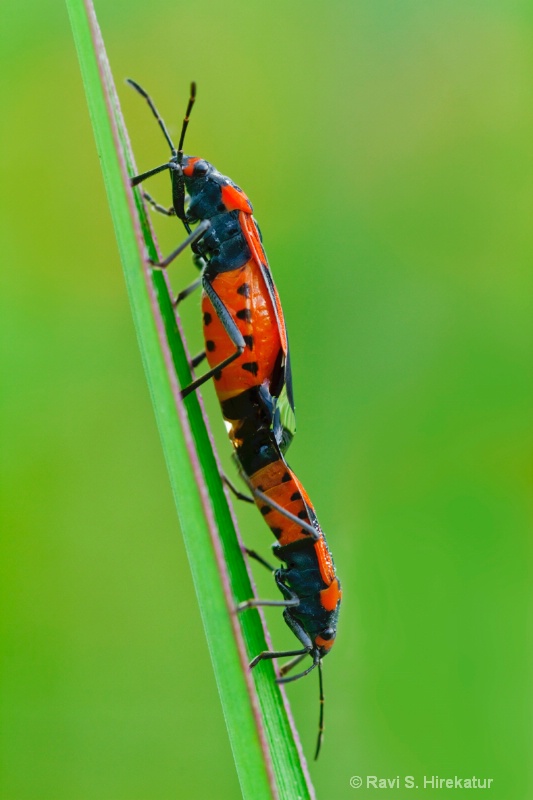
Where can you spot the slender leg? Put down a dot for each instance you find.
(290, 600)
(187, 291)
(316, 662)
(191, 239)
(168, 212)
(253, 603)
(155, 171)
(257, 557)
(231, 329)
(238, 495)
(292, 663)
(192, 387)
(276, 654)
(198, 359)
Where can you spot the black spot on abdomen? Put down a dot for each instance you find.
(251, 366)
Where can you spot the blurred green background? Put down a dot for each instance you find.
(386, 147)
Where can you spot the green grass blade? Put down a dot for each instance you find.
(267, 753)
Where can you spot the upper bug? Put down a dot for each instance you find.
(228, 238)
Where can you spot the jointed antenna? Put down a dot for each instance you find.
(321, 716)
(155, 112)
(185, 125)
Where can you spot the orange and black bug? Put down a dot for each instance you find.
(308, 581)
(244, 328)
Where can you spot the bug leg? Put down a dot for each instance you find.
(299, 655)
(233, 488)
(301, 634)
(257, 557)
(276, 654)
(191, 239)
(169, 212)
(290, 664)
(187, 291)
(192, 387)
(155, 171)
(291, 599)
(255, 603)
(197, 359)
(316, 662)
(231, 329)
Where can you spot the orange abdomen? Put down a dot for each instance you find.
(245, 295)
(279, 482)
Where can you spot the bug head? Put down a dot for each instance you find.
(325, 639)
(195, 169)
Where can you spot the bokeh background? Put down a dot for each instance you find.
(386, 147)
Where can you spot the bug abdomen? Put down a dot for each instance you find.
(244, 295)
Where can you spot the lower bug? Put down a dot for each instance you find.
(308, 582)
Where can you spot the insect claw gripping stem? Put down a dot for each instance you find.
(246, 346)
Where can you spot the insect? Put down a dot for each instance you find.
(308, 581)
(244, 328)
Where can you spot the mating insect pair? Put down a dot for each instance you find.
(247, 350)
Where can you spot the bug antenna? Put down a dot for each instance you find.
(154, 111)
(321, 715)
(185, 125)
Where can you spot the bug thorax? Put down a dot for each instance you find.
(203, 183)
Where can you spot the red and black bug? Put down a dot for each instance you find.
(244, 328)
(308, 581)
